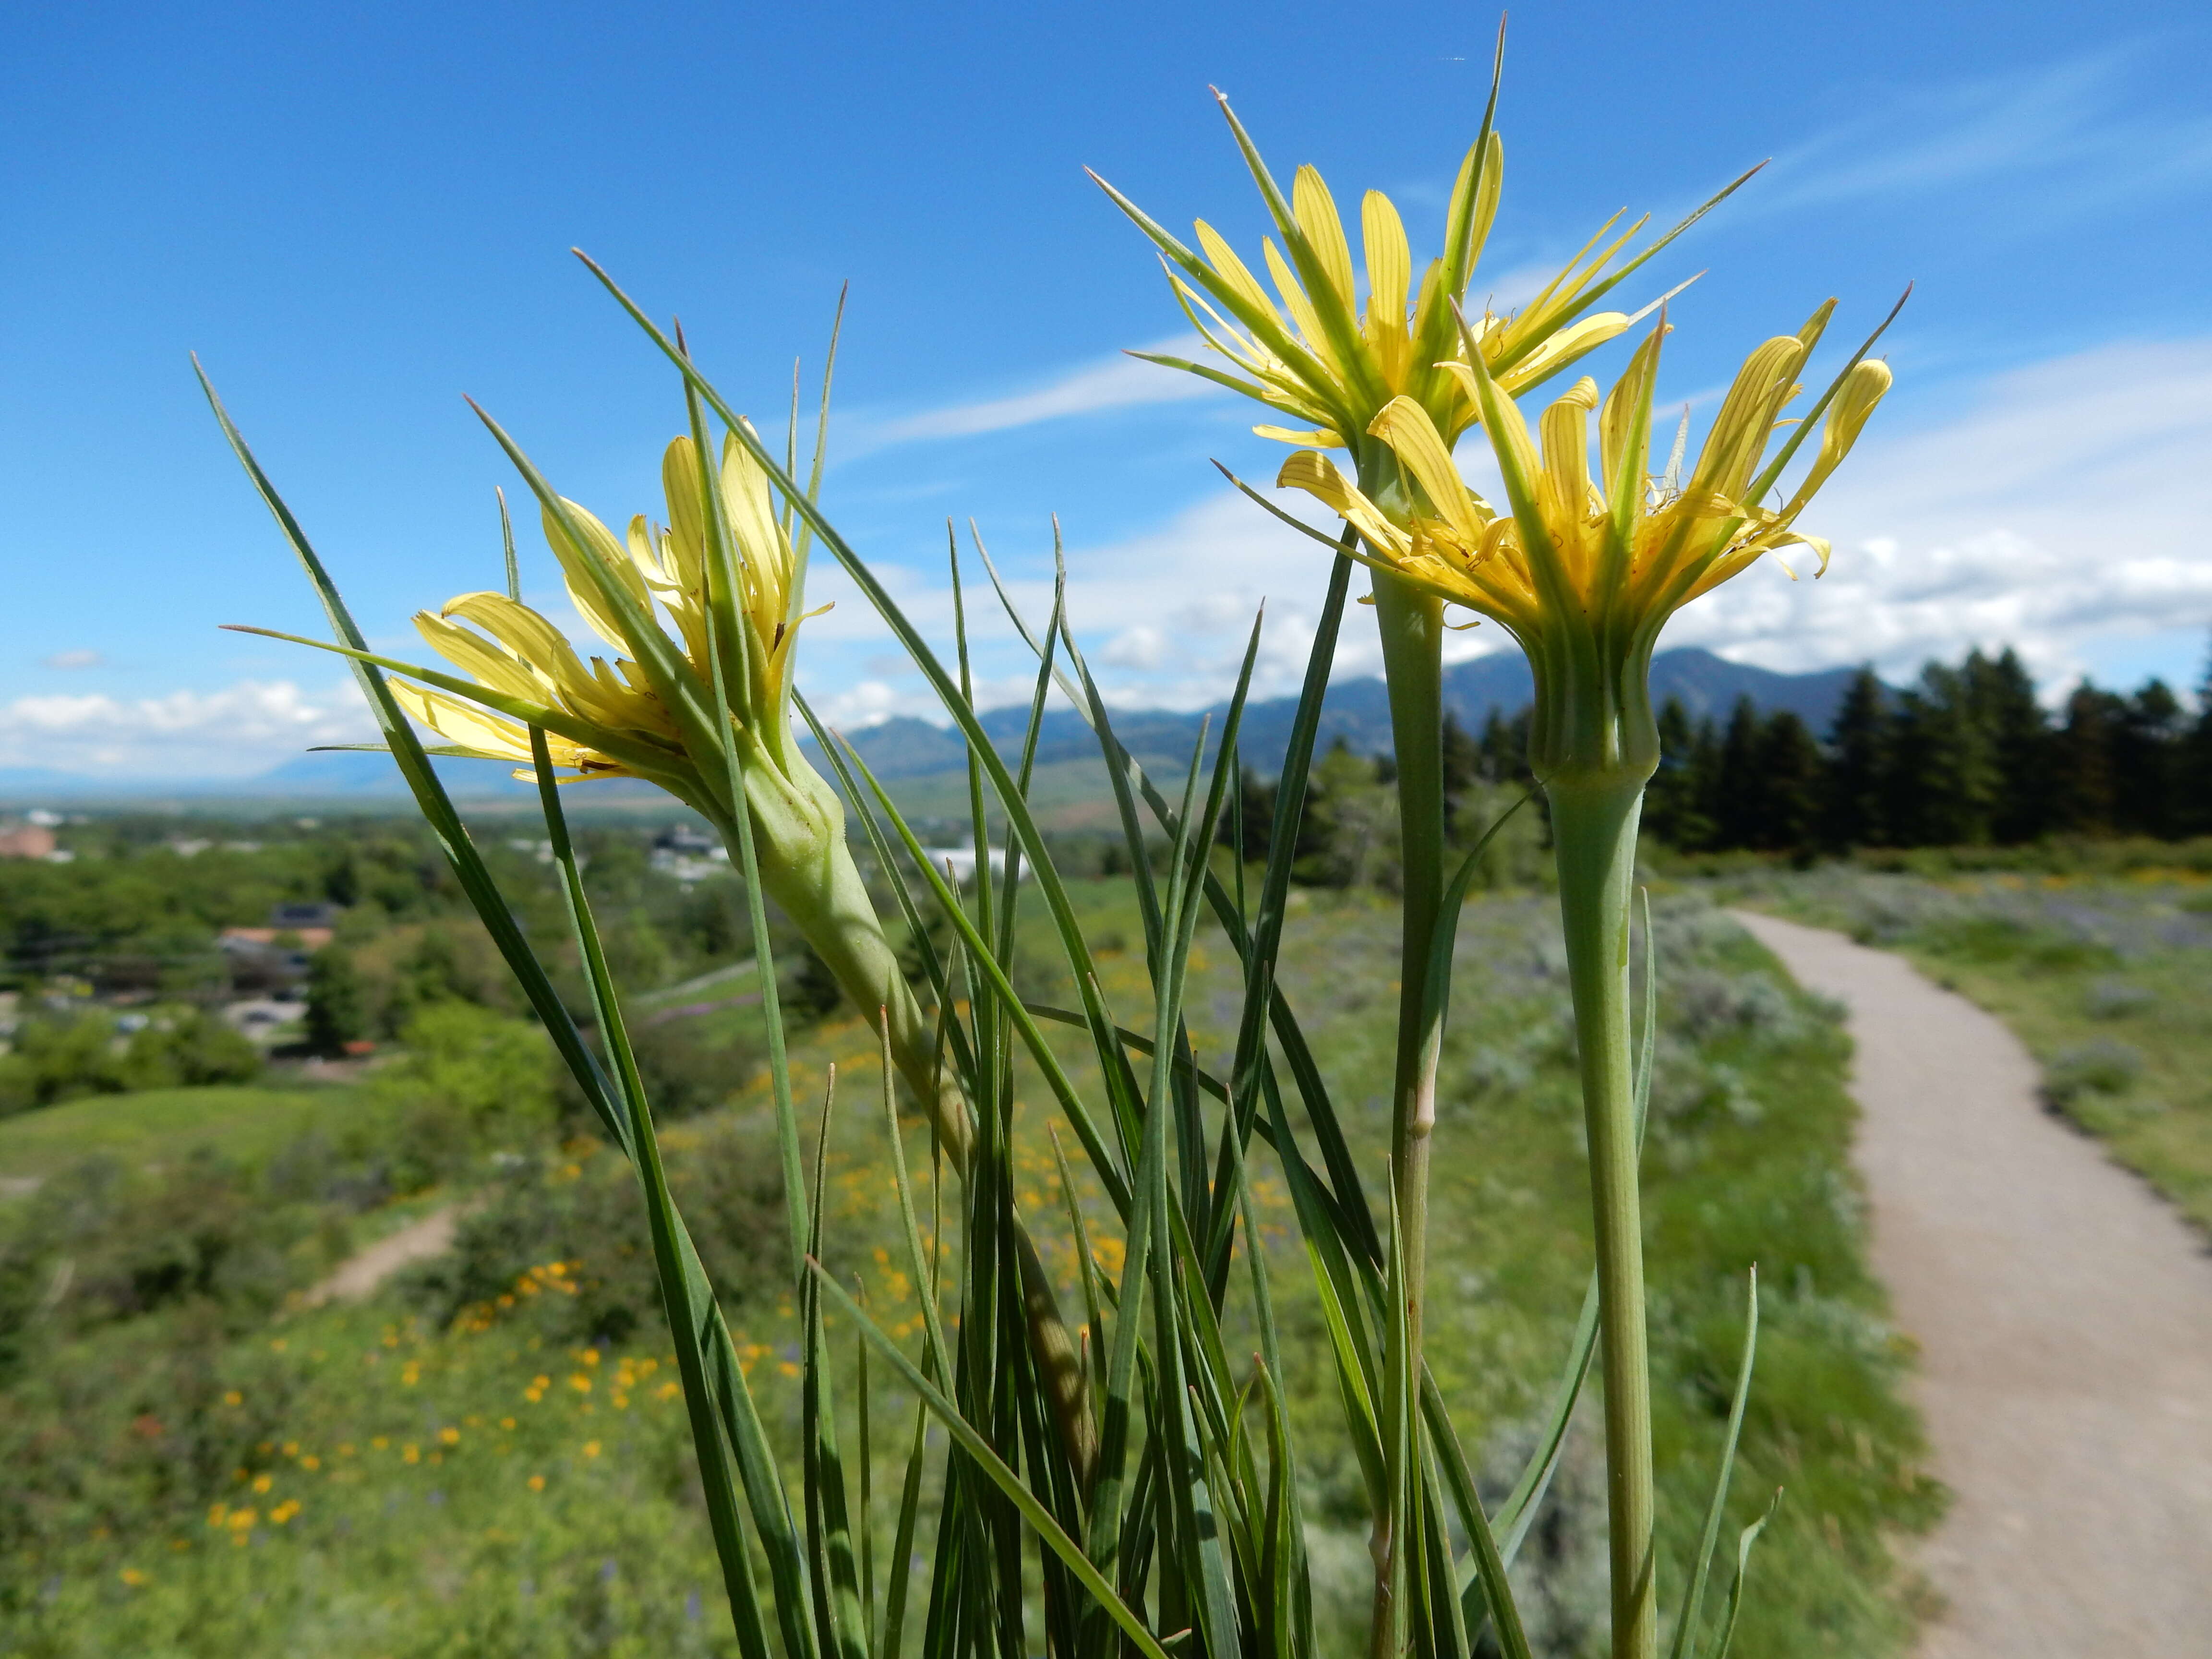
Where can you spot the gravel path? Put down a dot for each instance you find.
(2064, 1318)
(361, 1272)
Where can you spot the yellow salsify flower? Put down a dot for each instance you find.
(729, 578)
(1585, 571)
(1313, 350)
(660, 571)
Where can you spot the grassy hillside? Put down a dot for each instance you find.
(489, 1458)
(163, 1125)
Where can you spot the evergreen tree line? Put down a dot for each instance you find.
(1966, 756)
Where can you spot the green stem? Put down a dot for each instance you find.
(1411, 624)
(824, 895)
(1593, 821)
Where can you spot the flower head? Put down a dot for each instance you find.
(1584, 570)
(649, 712)
(1313, 350)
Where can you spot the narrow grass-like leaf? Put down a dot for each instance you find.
(980, 1451)
(1693, 1604)
(724, 624)
(498, 920)
(1489, 1567)
(1744, 1541)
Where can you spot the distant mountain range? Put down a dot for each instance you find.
(1358, 711)
(904, 748)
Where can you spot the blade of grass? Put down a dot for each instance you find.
(1344, 1192)
(1489, 1577)
(1693, 1604)
(838, 1607)
(994, 1468)
(1744, 1541)
(725, 588)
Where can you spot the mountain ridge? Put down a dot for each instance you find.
(904, 748)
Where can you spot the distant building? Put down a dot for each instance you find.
(686, 840)
(26, 841)
(294, 918)
(276, 956)
(959, 862)
(688, 853)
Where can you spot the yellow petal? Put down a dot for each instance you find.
(1406, 427)
(468, 726)
(759, 533)
(1578, 340)
(1747, 416)
(1315, 208)
(1231, 270)
(600, 551)
(679, 482)
(1565, 429)
(1390, 261)
(1296, 306)
(523, 632)
(1315, 473)
(1862, 388)
(1322, 438)
(489, 664)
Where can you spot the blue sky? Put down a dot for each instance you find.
(357, 214)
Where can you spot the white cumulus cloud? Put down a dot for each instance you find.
(2061, 507)
(2067, 505)
(235, 732)
(1116, 382)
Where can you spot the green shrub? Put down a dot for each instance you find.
(469, 1081)
(63, 1058)
(567, 1236)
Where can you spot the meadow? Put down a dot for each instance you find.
(488, 1457)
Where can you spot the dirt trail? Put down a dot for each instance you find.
(361, 1272)
(2064, 1318)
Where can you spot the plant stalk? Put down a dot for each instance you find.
(1412, 624)
(1594, 823)
(828, 901)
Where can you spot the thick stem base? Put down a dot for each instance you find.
(1594, 824)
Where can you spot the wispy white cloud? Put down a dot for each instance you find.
(235, 732)
(1164, 616)
(2060, 121)
(1116, 382)
(2065, 507)
(82, 657)
(2062, 510)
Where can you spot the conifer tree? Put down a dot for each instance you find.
(2019, 733)
(2193, 790)
(1942, 778)
(1789, 770)
(1502, 748)
(1462, 772)
(1673, 811)
(2146, 748)
(2081, 781)
(1852, 812)
(1739, 803)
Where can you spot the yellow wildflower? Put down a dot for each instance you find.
(648, 713)
(1583, 572)
(1316, 351)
